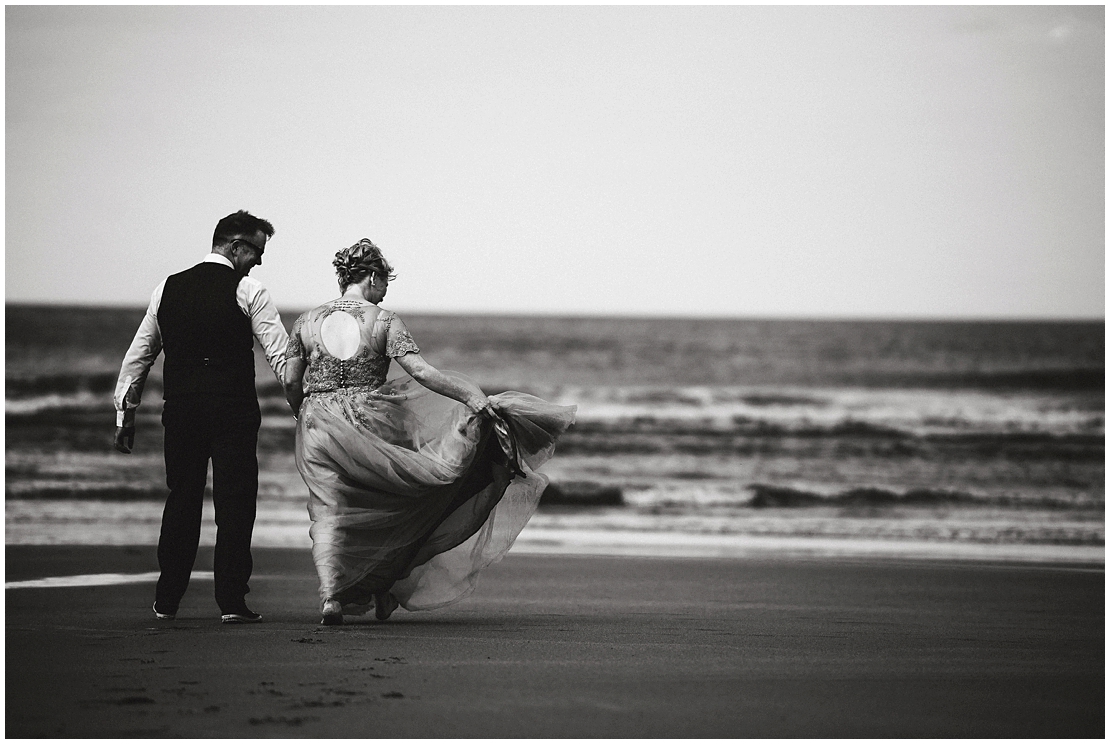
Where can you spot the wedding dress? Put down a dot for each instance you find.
(410, 492)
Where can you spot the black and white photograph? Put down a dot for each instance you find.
(555, 371)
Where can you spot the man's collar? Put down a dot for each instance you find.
(217, 258)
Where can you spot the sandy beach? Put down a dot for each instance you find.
(569, 646)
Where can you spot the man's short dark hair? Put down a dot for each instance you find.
(240, 224)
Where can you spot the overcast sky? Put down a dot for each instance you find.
(735, 161)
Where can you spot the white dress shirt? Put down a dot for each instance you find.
(254, 301)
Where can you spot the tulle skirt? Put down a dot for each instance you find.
(413, 493)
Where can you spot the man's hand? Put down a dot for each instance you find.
(125, 439)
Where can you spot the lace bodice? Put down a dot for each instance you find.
(383, 337)
(325, 372)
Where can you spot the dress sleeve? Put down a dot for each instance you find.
(295, 348)
(398, 341)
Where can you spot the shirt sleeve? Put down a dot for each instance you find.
(265, 323)
(144, 349)
(398, 341)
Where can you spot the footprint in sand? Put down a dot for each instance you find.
(267, 687)
(318, 704)
(298, 721)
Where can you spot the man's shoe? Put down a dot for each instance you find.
(240, 617)
(164, 613)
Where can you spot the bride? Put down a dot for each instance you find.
(416, 482)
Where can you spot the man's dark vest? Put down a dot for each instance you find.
(206, 337)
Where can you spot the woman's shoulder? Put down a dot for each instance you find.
(398, 339)
(386, 316)
(313, 315)
(308, 315)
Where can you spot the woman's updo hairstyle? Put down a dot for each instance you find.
(354, 264)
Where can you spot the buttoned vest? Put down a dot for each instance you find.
(206, 337)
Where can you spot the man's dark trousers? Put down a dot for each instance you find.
(200, 428)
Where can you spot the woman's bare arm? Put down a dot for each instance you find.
(436, 381)
(294, 386)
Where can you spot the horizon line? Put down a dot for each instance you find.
(631, 315)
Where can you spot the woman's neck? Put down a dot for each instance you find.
(353, 293)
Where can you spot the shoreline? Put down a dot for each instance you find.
(678, 545)
(569, 542)
(89, 523)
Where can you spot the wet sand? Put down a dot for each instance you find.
(570, 646)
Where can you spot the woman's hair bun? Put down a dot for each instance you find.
(353, 264)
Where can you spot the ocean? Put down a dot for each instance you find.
(919, 432)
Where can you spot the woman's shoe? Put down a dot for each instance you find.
(384, 605)
(332, 613)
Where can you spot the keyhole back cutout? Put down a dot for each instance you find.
(341, 335)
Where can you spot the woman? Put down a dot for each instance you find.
(415, 483)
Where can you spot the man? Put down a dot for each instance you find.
(205, 319)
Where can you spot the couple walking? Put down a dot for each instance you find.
(416, 482)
